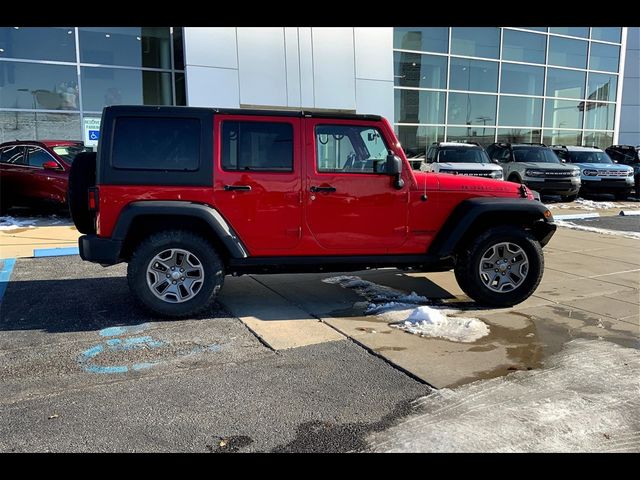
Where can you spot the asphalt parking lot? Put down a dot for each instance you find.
(302, 362)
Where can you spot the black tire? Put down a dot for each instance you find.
(622, 195)
(82, 176)
(153, 245)
(468, 263)
(568, 198)
(4, 206)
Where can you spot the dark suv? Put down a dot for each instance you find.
(36, 173)
(627, 155)
(189, 195)
(538, 167)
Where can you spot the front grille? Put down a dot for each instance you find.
(612, 173)
(557, 173)
(471, 173)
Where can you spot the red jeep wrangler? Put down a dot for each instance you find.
(189, 195)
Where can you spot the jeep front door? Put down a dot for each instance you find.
(257, 180)
(351, 204)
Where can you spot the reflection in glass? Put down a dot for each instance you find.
(113, 86)
(523, 47)
(424, 39)
(565, 83)
(480, 134)
(178, 49)
(39, 126)
(522, 79)
(562, 137)
(475, 41)
(474, 75)
(602, 86)
(537, 29)
(567, 52)
(598, 139)
(418, 70)
(600, 116)
(604, 57)
(571, 31)
(38, 43)
(563, 114)
(472, 109)
(181, 94)
(520, 111)
(38, 86)
(419, 106)
(608, 34)
(519, 135)
(415, 140)
(127, 46)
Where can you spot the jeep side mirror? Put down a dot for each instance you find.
(51, 165)
(394, 168)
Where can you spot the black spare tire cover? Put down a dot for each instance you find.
(81, 177)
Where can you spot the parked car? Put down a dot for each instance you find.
(536, 166)
(189, 195)
(598, 172)
(35, 174)
(627, 155)
(460, 158)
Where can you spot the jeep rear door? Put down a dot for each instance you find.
(351, 204)
(257, 179)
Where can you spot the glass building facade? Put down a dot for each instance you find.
(55, 80)
(555, 85)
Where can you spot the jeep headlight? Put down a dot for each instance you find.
(534, 173)
(589, 173)
(497, 174)
(630, 173)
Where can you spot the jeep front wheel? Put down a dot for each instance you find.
(175, 273)
(501, 268)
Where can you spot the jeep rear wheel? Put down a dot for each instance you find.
(501, 268)
(175, 273)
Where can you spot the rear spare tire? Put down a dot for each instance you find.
(81, 177)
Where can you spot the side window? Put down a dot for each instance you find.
(37, 156)
(350, 149)
(431, 155)
(12, 155)
(562, 155)
(156, 143)
(259, 146)
(504, 155)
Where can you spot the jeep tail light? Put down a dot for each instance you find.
(94, 199)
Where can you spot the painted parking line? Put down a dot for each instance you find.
(55, 252)
(6, 267)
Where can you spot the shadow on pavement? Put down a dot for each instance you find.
(76, 305)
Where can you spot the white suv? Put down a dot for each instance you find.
(461, 159)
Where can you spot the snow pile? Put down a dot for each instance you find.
(399, 310)
(593, 205)
(10, 223)
(620, 233)
(430, 322)
(586, 399)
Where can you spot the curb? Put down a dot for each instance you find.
(576, 216)
(626, 213)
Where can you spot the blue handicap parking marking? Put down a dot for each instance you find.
(6, 267)
(94, 134)
(118, 342)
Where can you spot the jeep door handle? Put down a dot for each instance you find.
(244, 188)
(322, 189)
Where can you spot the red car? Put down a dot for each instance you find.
(36, 173)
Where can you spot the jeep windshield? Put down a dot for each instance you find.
(462, 155)
(535, 155)
(69, 152)
(589, 157)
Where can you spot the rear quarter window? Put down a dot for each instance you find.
(155, 143)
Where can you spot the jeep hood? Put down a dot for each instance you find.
(448, 182)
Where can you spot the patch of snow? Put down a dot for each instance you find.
(10, 223)
(399, 310)
(586, 399)
(605, 231)
(592, 204)
(431, 322)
